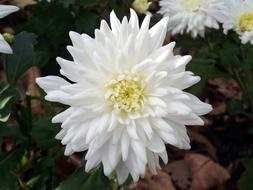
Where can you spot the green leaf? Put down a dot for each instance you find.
(13, 132)
(4, 118)
(9, 163)
(3, 89)
(206, 69)
(44, 133)
(52, 32)
(228, 54)
(97, 181)
(251, 131)
(44, 169)
(8, 95)
(86, 181)
(246, 180)
(88, 3)
(4, 101)
(86, 21)
(22, 58)
(235, 107)
(74, 182)
(67, 3)
(33, 181)
(121, 8)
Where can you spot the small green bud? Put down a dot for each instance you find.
(140, 6)
(9, 38)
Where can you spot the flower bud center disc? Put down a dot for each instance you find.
(246, 22)
(125, 93)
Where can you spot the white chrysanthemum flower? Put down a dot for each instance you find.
(239, 17)
(126, 97)
(5, 10)
(191, 16)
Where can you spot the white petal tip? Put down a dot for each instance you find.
(165, 21)
(69, 47)
(7, 49)
(72, 33)
(59, 59)
(172, 44)
(187, 147)
(38, 80)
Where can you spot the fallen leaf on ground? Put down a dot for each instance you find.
(161, 181)
(29, 87)
(198, 138)
(206, 174)
(230, 89)
(180, 174)
(219, 108)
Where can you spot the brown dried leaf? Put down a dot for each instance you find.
(167, 39)
(76, 159)
(28, 86)
(197, 137)
(180, 174)
(230, 89)
(219, 108)
(23, 3)
(206, 174)
(64, 168)
(7, 1)
(154, 6)
(2, 77)
(161, 181)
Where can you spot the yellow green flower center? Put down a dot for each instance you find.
(191, 5)
(246, 22)
(125, 93)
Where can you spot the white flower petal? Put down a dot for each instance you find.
(191, 16)
(131, 130)
(139, 150)
(4, 46)
(5, 10)
(51, 83)
(122, 173)
(144, 123)
(155, 144)
(158, 32)
(125, 141)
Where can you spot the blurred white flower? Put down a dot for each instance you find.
(239, 17)
(141, 6)
(24, 3)
(5, 10)
(126, 97)
(191, 16)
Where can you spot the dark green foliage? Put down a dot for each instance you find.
(82, 181)
(86, 21)
(8, 94)
(43, 133)
(246, 181)
(9, 164)
(22, 58)
(235, 107)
